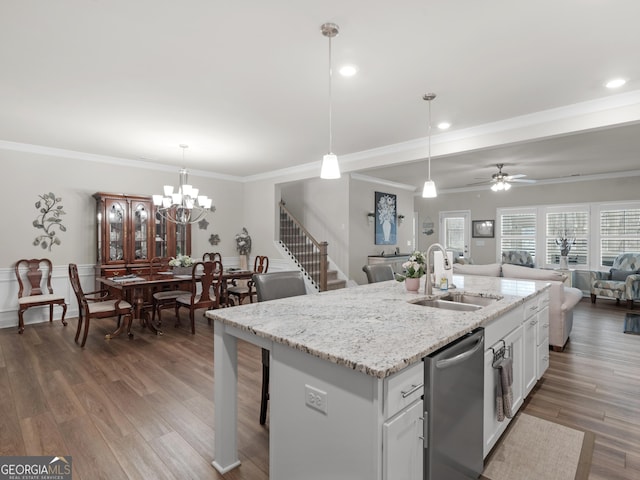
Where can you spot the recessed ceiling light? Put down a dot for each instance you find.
(615, 83)
(348, 70)
(444, 125)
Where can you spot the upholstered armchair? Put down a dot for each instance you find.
(518, 257)
(622, 282)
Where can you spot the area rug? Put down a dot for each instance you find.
(535, 448)
(632, 323)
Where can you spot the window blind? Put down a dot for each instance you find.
(518, 232)
(619, 233)
(572, 225)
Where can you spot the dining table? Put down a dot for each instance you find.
(137, 289)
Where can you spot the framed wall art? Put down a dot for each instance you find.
(482, 228)
(386, 218)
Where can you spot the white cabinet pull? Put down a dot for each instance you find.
(413, 389)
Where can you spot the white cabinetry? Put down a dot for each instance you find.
(530, 331)
(524, 332)
(492, 427)
(401, 433)
(403, 448)
(542, 336)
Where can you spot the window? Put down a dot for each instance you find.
(454, 234)
(574, 225)
(518, 230)
(619, 232)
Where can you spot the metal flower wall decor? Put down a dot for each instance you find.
(49, 221)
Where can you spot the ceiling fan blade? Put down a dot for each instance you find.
(521, 180)
(517, 175)
(485, 182)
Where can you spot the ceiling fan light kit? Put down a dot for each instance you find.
(330, 168)
(429, 189)
(501, 181)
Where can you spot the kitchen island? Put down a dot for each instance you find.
(342, 368)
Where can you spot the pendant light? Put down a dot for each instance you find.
(330, 168)
(429, 189)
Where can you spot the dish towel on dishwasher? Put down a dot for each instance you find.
(504, 394)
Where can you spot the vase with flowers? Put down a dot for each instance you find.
(565, 242)
(414, 269)
(243, 245)
(181, 264)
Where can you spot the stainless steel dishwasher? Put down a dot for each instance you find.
(453, 403)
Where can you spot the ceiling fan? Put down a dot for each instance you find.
(502, 180)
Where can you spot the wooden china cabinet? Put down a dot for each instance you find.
(131, 232)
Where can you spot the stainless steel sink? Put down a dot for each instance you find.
(469, 299)
(438, 303)
(457, 301)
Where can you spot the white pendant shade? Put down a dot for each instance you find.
(330, 168)
(429, 189)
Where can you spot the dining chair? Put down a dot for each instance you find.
(240, 292)
(212, 257)
(378, 273)
(206, 281)
(272, 286)
(163, 299)
(34, 288)
(98, 304)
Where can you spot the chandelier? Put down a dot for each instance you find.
(184, 206)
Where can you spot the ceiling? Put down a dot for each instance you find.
(246, 85)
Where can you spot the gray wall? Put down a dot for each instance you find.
(28, 175)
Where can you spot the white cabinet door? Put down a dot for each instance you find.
(403, 448)
(491, 426)
(516, 341)
(542, 355)
(529, 355)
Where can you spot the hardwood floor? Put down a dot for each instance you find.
(142, 408)
(595, 385)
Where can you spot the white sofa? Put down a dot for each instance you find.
(562, 299)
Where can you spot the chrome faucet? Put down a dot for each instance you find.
(428, 288)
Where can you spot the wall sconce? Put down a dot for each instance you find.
(371, 216)
(400, 219)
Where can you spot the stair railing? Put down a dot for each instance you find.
(310, 254)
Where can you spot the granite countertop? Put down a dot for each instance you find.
(389, 255)
(374, 328)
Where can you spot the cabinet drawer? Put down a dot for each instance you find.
(542, 335)
(531, 308)
(501, 326)
(543, 358)
(403, 388)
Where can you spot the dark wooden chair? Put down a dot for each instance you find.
(212, 257)
(206, 278)
(163, 299)
(34, 288)
(271, 286)
(240, 292)
(98, 304)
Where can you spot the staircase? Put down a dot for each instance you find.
(309, 254)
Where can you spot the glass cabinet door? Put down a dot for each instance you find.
(115, 220)
(140, 227)
(161, 245)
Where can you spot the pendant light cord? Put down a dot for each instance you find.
(330, 100)
(429, 149)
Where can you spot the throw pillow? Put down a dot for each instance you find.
(620, 275)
